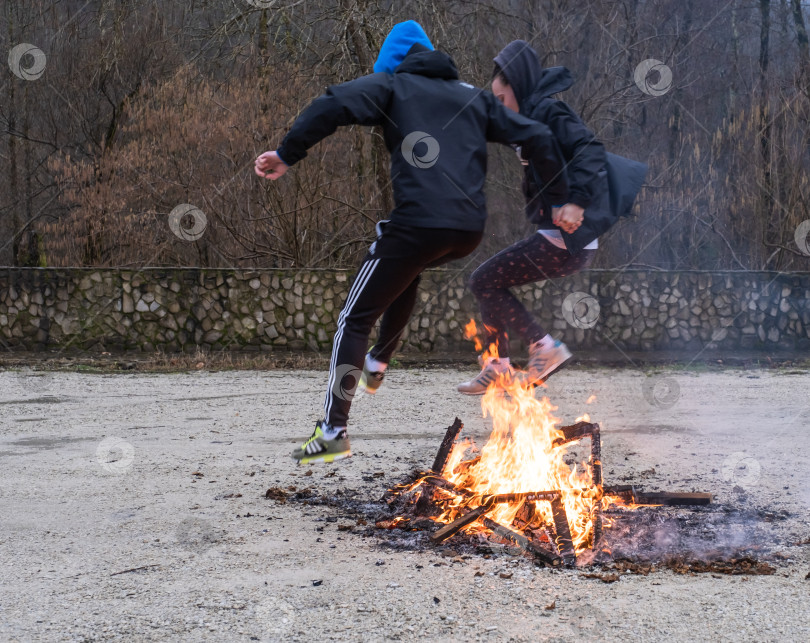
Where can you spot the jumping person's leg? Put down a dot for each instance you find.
(388, 274)
(398, 314)
(528, 261)
(392, 325)
(381, 283)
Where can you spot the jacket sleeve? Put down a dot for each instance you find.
(578, 144)
(537, 146)
(359, 102)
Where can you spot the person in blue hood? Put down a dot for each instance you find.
(398, 43)
(566, 239)
(436, 129)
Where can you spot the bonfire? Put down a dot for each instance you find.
(520, 484)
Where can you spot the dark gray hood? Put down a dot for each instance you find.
(530, 82)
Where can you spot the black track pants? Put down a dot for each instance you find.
(386, 285)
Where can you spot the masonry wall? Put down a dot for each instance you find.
(181, 309)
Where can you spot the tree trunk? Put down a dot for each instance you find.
(765, 191)
(804, 46)
(379, 153)
(735, 53)
(30, 251)
(12, 154)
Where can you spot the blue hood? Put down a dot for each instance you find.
(397, 44)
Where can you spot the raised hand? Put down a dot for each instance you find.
(270, 166)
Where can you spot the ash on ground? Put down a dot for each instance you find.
(717, 538)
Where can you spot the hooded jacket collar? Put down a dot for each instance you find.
(433, 64)
(530, 82)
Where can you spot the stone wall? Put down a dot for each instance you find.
(181, 309)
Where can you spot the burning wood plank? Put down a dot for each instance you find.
(528, 496)
(459, 523)
(442, 483)
(565, 545)
(549, 558)
(581, 430)
(631, 494)
(446, 446)
(423, 503)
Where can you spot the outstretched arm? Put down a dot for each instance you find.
(361, 102)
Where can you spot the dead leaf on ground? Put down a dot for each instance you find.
(605, 578)
(274, 493)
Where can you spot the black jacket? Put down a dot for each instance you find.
(436, 129)
(584, 155)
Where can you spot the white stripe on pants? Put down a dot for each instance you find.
(360, 282)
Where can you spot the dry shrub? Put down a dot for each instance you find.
(191, 140)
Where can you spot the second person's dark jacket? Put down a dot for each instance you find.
(584, 155)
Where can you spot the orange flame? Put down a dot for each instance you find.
(471, 332)
(520, 456)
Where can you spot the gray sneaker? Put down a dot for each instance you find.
(479, 384)
(544, 363)
(319, 449)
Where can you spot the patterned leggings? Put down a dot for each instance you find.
(527, 261)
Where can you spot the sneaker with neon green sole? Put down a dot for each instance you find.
(319, 449)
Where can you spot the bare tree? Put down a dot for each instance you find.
(149, 104)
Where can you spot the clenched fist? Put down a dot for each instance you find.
(270, 166)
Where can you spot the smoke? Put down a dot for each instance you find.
(653, 534)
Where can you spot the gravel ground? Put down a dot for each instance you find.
(133, 508)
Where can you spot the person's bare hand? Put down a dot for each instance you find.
(270, 166)
(568, 217)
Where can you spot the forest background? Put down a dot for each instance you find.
(144, 105)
